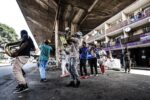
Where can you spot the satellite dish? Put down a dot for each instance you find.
(67, 29)
(149, 19)
(95, 42)
(127, 29)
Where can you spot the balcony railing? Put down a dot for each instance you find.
(127, 22)
(117, 26)
(132, 41)
(95, 37)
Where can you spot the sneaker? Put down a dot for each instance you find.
(22, 88)
(86, 77)
(82, 77)
(77, 84)
(71, 84)
(91, 75)
(62, 75)
(17, 87)
(67, 74)
(96, 75)
(43, 80)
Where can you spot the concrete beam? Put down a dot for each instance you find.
(78, 16)
(68, 12)
(89, 10)
(92, 6)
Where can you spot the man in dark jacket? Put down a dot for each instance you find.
(22, 55)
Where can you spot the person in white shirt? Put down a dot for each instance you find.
(102, 54)
(63, 60)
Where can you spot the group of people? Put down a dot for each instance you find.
(73, 55)
(69, 56)
(94, 56)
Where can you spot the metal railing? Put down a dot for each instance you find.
(127, 22)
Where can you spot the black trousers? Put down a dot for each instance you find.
(128, 66)
(93, 64)
(83, 67)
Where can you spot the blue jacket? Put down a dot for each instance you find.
(83, 53)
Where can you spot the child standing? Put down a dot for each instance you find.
(63, 61)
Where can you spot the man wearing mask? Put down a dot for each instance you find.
(22, 55)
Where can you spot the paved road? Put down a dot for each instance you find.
(111, 86)
(6, 70)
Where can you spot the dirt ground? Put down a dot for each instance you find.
(113, 85)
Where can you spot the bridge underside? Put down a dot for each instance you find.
(81, 15)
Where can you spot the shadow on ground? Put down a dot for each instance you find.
(111, 86)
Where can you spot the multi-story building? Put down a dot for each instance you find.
(129, 28)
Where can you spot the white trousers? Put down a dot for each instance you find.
(63, 67)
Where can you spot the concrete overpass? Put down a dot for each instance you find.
(84, 15)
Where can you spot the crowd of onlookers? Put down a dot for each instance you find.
(136, 17)
(91, 56)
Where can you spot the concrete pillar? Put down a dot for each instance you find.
(56, 40)
(125, 34)
(101, 31)
(106, 26)
(66, 24)
(74, 28)
(107, 39)
(124, 16)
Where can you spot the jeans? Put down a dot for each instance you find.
(73, 68)
(83, 67)
(42, 68)
(63, 67)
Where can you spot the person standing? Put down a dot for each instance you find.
(83, 58)
(93, 61)
(127, 61)
(43, 59)
(63, 60)
(102, 55)
(22, 55)
(73, 58)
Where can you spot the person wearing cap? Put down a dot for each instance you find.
(43, 59)
(22, 55)
(73, 49)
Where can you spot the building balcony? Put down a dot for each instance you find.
(134, 22)
(117, 26)
(95, 37)
(142, 40)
